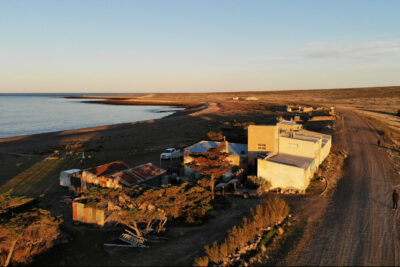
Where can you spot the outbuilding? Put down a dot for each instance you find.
(65, 177)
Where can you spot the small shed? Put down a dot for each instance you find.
(65, 177)
(86, 211)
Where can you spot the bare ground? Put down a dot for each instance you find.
(359, 228)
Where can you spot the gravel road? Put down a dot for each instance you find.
(360, 228)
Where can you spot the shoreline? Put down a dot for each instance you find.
(175, 113)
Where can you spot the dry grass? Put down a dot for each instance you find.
(332, 169)
(270, 212)
(32, 232)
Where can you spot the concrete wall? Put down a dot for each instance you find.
(284, 176)
(287, 127)
(259, 135)
(299, 147)
(326, 149)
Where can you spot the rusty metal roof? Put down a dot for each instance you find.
(109, 168)
(138, 174)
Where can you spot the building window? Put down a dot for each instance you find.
(262, 147)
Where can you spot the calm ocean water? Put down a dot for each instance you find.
(40, 113)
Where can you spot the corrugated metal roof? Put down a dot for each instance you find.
(204, 146)
(109, 168)
(138, 174)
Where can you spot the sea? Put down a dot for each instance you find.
(23, 114)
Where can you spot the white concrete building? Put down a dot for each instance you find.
(293, 159)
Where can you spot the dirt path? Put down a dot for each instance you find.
(360, 228)
(211, 108)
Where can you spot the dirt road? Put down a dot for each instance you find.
(360, 228)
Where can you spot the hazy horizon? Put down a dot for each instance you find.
(197, 46)
(138, 92)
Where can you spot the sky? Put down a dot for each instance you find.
(197, 46)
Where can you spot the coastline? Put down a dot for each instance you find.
(188, 109)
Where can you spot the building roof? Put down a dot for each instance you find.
(316, 134)
(288, 122)
(72, 171)
(109, 168)
(291, 160)
(138, 174)
(204, 146)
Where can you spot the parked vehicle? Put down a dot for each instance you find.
(171, 153)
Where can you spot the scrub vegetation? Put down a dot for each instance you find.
(152, 208)
(24, 231)
(270, 212)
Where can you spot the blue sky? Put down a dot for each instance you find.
(190, 46)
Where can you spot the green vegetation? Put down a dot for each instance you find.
(270, 212)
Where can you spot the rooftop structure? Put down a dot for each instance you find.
(118, 174)
(139, 174)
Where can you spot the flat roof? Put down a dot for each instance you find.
(302, 138)
(316, 134)
(291, 160)
(288, 122)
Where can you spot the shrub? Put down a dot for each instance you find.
(213, 136)
(270, 212)
(31, 232)
(201, 261)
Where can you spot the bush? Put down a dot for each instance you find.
(32, 232)
(213, 136)
(270, 212)
(201, 261)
